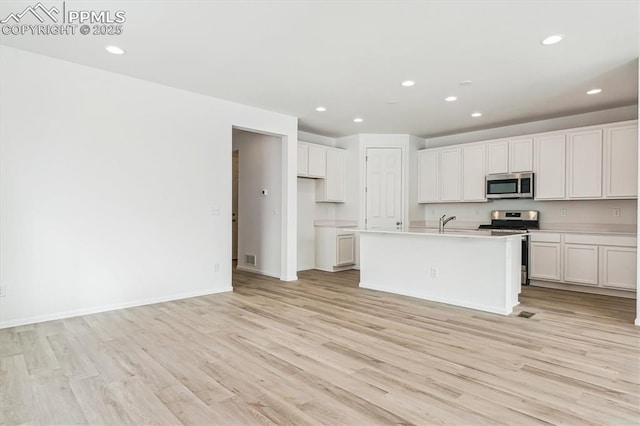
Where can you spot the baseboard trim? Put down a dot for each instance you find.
(584, 289)
(257, 271)
(456, 303)
(113, 307)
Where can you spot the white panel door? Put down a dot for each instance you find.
(550, 167)
(428, 181)
(384, 188)
(450, 174)
(621, 162)
(474, 173)
(584, 164)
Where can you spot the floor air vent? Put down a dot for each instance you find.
(525, 314)
(250, 259)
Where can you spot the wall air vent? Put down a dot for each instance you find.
(250, 259)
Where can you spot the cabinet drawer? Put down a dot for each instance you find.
(545, 237)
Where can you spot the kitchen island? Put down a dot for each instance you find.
(472, 269)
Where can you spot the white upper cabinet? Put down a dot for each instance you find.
(550, 167)
(520, 155)
(440, 175)
(474, 172)
(621, 162)
(510, 156)
(317, 161)
(450, 174)
(428, 180)
(312, 160)
(331, 189)
(584, 164)
(303, 159)
(498, 157)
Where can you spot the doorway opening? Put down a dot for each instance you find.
(235, 159)
(257, 199)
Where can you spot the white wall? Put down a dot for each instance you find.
(259, 216)
(109, 187)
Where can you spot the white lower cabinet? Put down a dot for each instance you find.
(335, 249)
(544, 262)
(618, 268)
(581, 264)
(545, 256)
(606, 261)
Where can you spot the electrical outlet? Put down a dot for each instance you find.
(216, 267)
(616, 212)
(434, 272)
(3, 291)
(563, 212)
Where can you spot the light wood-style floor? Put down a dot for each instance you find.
(323, 351)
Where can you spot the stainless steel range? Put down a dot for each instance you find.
(516, 222)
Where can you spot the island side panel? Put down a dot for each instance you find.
(470, 272)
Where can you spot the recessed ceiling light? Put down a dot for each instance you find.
(408, 83)
(476, 114)
(115, 50)
(466, 83)
(358, 120)
(450, 98)
(594, 91)
(552, 39)
(321, 109)
(392, 101)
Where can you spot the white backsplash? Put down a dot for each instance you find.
(591, 212)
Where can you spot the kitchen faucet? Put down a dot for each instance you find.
(444, 221)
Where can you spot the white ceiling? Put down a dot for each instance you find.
(351, 57)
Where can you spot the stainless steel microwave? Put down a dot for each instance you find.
(513, 185)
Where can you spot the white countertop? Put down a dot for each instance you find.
(456, 233)
(328, 223)
(565, 228)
